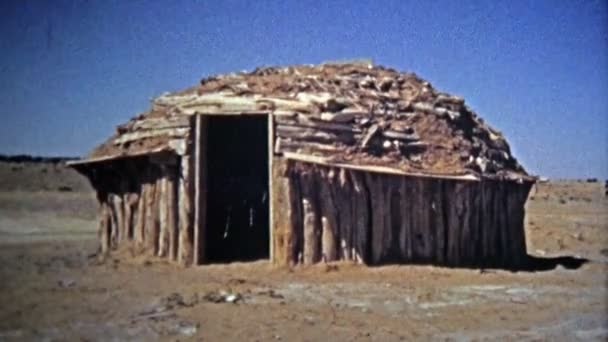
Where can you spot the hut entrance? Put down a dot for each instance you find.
(237, 188)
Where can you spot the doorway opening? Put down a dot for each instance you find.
(237, 188)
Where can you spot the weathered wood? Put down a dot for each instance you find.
(178, 121)
(199, 189)
(360, 219)
(373, 168)
(400, 135)
(105, 226)
(384, 218)
(185, 214)
(172, 211)
(145, 134)
(113, 222)
(151, 235)
(283, 145)
(371, 132)
(342, 192)
(329, 247)
(271, 194)
(309, 134)
(338, 117)
(163, 239)
(140, 224)
(118, 208)
(131, 201)
(378, 213)
(304, 122)
(310, 234)
(296, 237)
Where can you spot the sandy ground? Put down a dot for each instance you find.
(52, 288)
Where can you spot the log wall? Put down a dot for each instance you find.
(150, 211)
(146, 203)
(330, 214)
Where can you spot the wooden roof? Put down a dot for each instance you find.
(348, 114)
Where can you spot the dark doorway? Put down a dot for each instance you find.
(237, 183)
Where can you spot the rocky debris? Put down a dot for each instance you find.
(223, 297)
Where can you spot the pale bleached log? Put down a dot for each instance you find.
(113, 222)
(328, 240)
(343, 201)
(284, 145)
(150, 236)
(200, 189)
(304, 122)
(105, 226)
(309, 134)
(310, 234)
(151, 133)
(163, 239)
(185, 249)
(178, 121)
(118, 208)
(140, 225)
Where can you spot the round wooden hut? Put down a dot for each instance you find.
(311, 163)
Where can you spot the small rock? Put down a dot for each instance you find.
(187, 328)
(66, 283)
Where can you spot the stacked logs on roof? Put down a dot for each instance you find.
(151, 133)
(358, 111)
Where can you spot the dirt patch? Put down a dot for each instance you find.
(56, 290)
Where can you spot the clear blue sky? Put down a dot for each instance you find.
(537, 70)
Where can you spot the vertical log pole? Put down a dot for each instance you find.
(151, 236)
(118, 207)
(360, 218)
(329, 227)
(171, 202)
(310, 238)
(185, 213)
(140, 225)
(296, 212)
(104, 227)
(131, 201)
(163, 240)
(271, 189)
(200, 188)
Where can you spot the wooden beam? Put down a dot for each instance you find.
(372, 168)
(200, 188)
(270, 189)
(185, 213)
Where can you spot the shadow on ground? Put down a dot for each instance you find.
(533, 263)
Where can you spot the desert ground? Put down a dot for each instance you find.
(54, 288)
